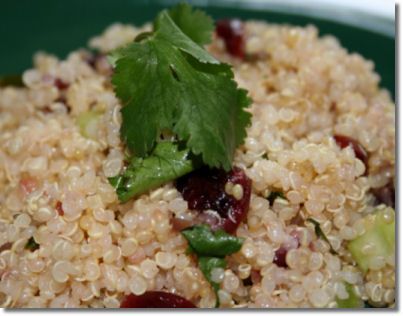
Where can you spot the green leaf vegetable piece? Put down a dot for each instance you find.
(204, 242)
(207, 265)
(211, 248)
(88, 123)
(320, 234)
(166, 163)
(274, 195)
(353, 300)
(31, 244)
(167, 81)
(380, 232)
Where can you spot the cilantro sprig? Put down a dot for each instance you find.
(166, 80)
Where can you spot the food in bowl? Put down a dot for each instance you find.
(178, 166)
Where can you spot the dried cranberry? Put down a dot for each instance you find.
(204, 190)
(232, 32)
(60, 84)
(156, 299)
(279, 257)
(359, 150)
(385, 195)
(5, 246)
(59, 208)
(281, 253)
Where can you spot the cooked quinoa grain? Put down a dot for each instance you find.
(93, 250)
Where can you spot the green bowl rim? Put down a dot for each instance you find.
(376, 23)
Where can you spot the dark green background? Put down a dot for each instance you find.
(60, 26)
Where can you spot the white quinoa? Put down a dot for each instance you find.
(304, 88)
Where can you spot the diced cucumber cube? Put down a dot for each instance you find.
(353, 300)
(377, 241)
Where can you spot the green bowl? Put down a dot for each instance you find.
(59, 26)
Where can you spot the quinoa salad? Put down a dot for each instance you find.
(117, 190)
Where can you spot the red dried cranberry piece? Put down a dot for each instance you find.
(279, 257)
(156, 299)
(60, 84)
(359, 150)
(232, 32)
(59, 208)
(281, 253)
(385, 195)
(5, 246)
(204, 189)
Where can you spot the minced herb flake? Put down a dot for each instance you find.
(211, 248)
(319, 233)
(31, 244)
(274, 195)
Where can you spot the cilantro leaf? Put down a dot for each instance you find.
(31, 244)
(274, 195)
(320, 234)
(207, 265)
(165, 29)
(211, 247)
(197, 25)
(167, 162)
(204, 242)
(167, 81)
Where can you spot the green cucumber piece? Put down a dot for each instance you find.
(353, 300)
(88, 123)
(378, 232)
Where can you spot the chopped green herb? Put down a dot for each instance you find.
(31, 244)
(211, 248)
(320, 234)
(379, 233)
(274, 195)
(353, 300)
(205, 242)
(207, 265)
(167, 162)
(11, 80)
(167, 81)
